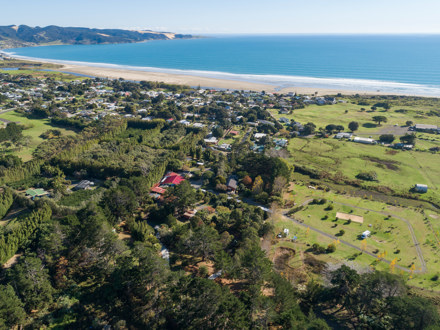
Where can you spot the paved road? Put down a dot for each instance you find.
(5, 120)
(246, 135)
(8, 110)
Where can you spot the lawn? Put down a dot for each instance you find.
(351, 158)
(42, 74)
(36, 128)
(344, 113)
(388, 234)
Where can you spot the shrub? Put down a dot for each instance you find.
(367, 176)
(329, 207)
(331, 248)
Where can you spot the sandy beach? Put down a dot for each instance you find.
(195, 81)
(204, 82)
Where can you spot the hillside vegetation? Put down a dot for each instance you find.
(23, 35)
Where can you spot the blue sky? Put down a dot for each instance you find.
(229, 16)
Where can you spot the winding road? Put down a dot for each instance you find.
(410, 228)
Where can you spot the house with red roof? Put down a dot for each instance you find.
(172, 179)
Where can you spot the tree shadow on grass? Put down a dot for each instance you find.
(369, 125)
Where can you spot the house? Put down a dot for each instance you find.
(84, 185)
(421, 188)
(265, 122)
(403, 146)
(225, 146)
(280, 142)
(284, 120)
(172, 179)
(211, 140)
(189, 214)
(258, 136)
(36, 193)
(184, 122)
(158, 190)
(343, 136)
(283, 112)
(364, 140)
(366, 234)
(232, 185)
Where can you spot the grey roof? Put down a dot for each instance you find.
(232, 183)
(425, 126)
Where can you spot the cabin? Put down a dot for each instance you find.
(421, 188)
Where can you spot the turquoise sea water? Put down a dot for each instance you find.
(405, 64)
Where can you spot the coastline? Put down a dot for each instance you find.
(203, 82)
(220, 80)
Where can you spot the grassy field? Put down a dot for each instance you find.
(44, 74)
(389, 234)
(344, 113)
(351, 158)
(36, 128)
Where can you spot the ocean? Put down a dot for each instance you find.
(388, 63)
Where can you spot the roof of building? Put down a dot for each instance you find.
(84, 184)
(361, 139)
(232, 183)
(158, 190)
(36, 192)
(172, 178)
(425, 126)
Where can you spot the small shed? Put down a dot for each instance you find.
(421, 188)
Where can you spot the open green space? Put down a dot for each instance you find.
(349, 159)
(389, 232)
(344, 113)
(42, 74)
(34, 128)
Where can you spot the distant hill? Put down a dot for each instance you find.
(23, 35)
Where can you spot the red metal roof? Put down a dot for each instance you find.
(158, 190)
(173, 179)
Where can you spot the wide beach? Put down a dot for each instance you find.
(194, 81)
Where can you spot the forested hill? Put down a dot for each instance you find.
(23, 35)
